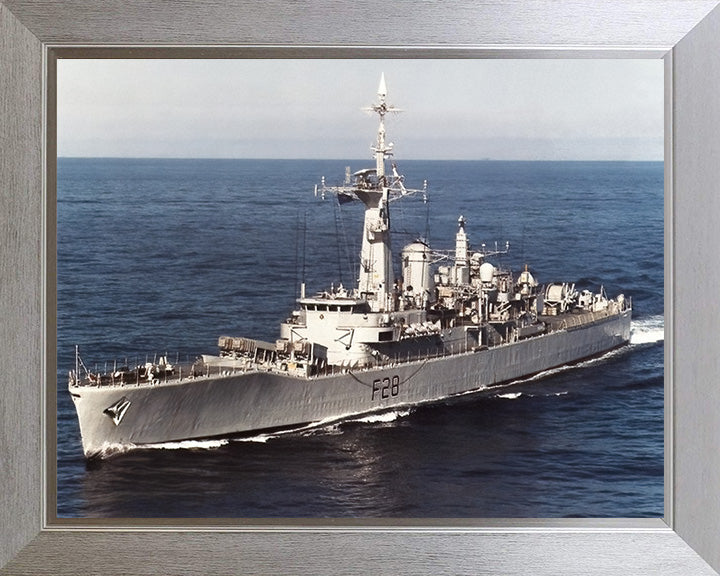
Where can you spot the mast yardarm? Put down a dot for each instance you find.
(382, 150)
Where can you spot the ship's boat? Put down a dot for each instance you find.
(451, 323)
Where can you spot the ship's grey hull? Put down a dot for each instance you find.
(215, 406)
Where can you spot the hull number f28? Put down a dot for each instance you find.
(385, 387)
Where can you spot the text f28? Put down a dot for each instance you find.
(385, 387)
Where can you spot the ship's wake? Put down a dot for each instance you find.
(516, 395)
(509, 395)
(110, 450)
(327, 426)
(647, 330)
(189, 445)
(383, 417)
(332, 425)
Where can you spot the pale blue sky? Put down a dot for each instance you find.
(452, 109)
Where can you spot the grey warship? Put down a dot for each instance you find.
(449, 323)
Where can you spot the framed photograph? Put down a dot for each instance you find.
(211, 535)
(471, 354)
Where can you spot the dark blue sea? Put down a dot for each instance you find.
(158, 256)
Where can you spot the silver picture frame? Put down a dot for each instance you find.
(685, 33)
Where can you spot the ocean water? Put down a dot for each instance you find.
(160, 256)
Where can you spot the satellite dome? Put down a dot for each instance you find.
(487, 271)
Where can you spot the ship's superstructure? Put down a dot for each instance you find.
(449, 323)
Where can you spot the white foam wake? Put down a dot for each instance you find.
(109, 450)
(509, 395)
(260, 438)
(383, 417)
(328, 425)
(324, 426)
(188, 445)
(648, 330)
(516, 395)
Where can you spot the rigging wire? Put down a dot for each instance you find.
(336, 209)
(351, 251)
(304, 246)
(296, 288)
(426, 201)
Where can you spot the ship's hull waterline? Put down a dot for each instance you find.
(235, 404)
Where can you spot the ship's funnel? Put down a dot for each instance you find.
(417, 277)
